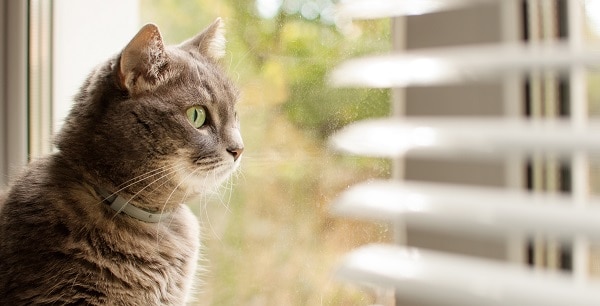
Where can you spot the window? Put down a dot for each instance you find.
(13, 90)
(269, 237)
(278, 246)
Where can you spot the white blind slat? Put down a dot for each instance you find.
(444, 279)
(477, 137)
(470, 211)
(461, 64)
(371, 9)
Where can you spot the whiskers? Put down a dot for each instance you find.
(140, 178)
(185, 195)
(264, 160)
(169, 172)
(161, 172)
(176, 183)
(221, 194)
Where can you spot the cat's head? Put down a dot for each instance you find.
(157, 122)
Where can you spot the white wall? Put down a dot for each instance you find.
(85, 34)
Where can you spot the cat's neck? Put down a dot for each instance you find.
(145, 204)
(160, 198)
(124, 206)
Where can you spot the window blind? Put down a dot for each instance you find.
(546, 136)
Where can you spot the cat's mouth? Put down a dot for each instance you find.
(219, 165)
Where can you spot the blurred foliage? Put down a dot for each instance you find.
(292, 51)
(269, 237)
(594, 93)
(299, 53)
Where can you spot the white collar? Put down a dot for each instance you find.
(119, 204)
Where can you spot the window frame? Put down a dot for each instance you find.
(13, 88)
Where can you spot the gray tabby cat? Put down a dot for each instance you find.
(99, 222)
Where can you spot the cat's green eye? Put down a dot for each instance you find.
(196, 116)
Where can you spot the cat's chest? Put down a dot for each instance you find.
(153, 265)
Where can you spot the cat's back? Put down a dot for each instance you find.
(35, 230)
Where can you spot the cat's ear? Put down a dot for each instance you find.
(210, 43)
(142, 61)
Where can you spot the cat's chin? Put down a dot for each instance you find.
(203, 182)
(200, 185)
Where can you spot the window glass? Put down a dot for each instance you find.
(591, 34)
(269, 238)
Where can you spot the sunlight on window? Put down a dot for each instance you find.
(591, 26)
(269, 237)
(268, 8)
(311, 10)
(592, 12)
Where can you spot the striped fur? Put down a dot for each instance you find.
(127, 133)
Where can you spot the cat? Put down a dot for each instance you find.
(100, 220)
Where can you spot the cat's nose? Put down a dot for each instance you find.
(235, 152)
